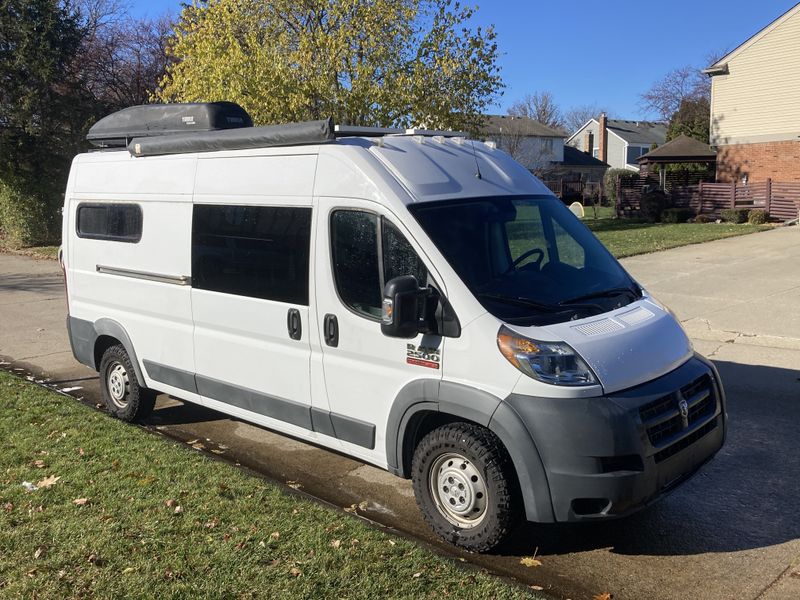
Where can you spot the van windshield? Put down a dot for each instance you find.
(528, 260)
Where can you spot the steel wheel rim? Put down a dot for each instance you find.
(458, 489)
(118, 384)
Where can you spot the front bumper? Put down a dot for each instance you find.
(609, 456)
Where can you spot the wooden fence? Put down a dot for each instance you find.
(780, 200)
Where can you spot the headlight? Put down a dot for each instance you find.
(550, 362)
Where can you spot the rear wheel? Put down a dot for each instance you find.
(465, 486)
(124, 397)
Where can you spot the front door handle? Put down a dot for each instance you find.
(294, 324)
(331, 328)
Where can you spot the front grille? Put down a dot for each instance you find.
(666, 425)
(685, 442)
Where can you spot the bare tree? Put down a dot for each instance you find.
(577, 116)
(122, 59)
(685, 83)
(539, 106)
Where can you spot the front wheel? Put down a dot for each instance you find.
(124, 397)
(465, 486)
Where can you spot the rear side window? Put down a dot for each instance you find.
(254, 251)
(367, 252)
(112, 222)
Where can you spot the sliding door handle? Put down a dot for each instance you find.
(294, 324)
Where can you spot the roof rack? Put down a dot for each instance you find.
(358, 131)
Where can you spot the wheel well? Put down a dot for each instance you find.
(103, 343)
(420, 425)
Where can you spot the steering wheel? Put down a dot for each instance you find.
(529, 253)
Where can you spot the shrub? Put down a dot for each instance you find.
(734, 215)
(610, 181)
(26, 219)
(704, 219)
(757, 216)
(652, 205)
(676, 215)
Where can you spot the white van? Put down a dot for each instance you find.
(414, 299)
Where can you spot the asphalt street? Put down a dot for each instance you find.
(732, 532)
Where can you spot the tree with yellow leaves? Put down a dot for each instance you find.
(363, 62)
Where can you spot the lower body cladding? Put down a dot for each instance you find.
(609, 456)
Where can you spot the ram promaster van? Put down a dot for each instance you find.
(414, 299)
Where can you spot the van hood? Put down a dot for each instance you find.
(626, 347)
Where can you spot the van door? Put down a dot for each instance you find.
(360, 247)
(250, 302)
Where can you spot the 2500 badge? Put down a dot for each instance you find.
(423, 356)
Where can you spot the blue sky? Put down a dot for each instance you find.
(588, 51)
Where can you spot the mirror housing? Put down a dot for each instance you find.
(401, 307)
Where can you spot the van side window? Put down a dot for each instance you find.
(399, 257)
(358, 270)
(111, 222)
(253, 251)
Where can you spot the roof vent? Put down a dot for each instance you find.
(117, 129)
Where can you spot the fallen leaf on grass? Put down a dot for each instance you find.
(417, 575)
(127, 570)
(178, 510)
(194, 441)
(295, 572)
(217, 451)
(530, 561)
(39, 552)
(48, 481)
(537, 588)
(212, 523)
(603, 596)
(80, 501)
(295, 485)
(336, 544)
(81, 452)
(39, 464)
(275, 535)
(31, 573)
(8, 506)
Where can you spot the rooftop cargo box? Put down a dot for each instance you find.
(117, 129)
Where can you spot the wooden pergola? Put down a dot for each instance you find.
(680, 151)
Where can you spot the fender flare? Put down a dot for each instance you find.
(430, 395)
(111, 328)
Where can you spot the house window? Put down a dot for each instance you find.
(110, 222)
(635, 152)
(547, 145)
(596, 152)
(253, 251)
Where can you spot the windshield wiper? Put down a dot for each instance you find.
(610, 293)
(522, 302)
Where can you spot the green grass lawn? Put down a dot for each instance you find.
(624, 237)
(136, 516)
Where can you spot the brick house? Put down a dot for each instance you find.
(755, 105)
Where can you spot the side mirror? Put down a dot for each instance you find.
(401, 307)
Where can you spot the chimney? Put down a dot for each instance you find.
(603, 138)
(588, 143)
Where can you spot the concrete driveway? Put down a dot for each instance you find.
(731, 532)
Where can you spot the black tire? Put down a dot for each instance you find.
(492, 505)
(124, 397)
